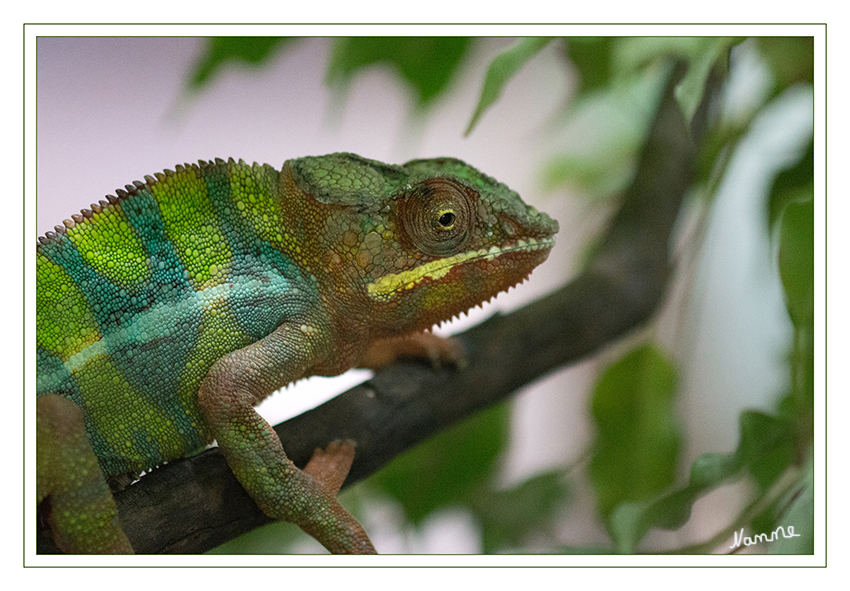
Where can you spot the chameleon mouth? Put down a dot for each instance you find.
(387, 286)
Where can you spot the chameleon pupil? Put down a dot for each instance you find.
(447, 220)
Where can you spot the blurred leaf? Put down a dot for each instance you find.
(606, 130)
(427, 64)
(766, 447)
(791, 59)
(628, 75)
(277, 537)
(796, 269)
(690, 90)
(637, 441)
(631, 521)
(795, 183)
(446, 469)
(701, 53)
(592, 58)
(761, 436)
(630, 54)
(283, 537)
(509, 517)
(800, 515)
(221, 50)
(711, 469)
(501, 70)
(628, 524)
(715, 153)
(796, 260)
(599, 173)
(773, 463)
(579, 550)
(803, 387)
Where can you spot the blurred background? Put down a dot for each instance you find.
(563, 130)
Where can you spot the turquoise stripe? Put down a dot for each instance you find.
(144, 216)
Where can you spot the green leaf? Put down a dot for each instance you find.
(797, 259)
(791, 59)
(509, 518)
(627, 525)
(427, 64)
(796, 269)
(446, 470)
(631, 521)
(602, 172)
(760, 433)
(592, 57)
(766, 447)
(221, 50)
(761, 436)
(715, 153)
(773, 462)
(795, 183)
(277, 537)
(606, 131)
(701, 54)
(710, 469)
(637, 440)
(579, 550)
(800, 515)
(630, 54)
(501, 70)
(690, 90)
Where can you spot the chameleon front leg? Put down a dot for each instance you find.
(237, 382)
(83, 516)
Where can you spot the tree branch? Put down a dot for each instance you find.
(193, 505)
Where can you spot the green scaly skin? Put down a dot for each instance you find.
(168, 311)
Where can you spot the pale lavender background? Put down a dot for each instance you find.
(111, 110)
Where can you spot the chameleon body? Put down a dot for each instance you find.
(167, 311)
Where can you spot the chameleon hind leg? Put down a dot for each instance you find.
(83, 516)
(227, 396)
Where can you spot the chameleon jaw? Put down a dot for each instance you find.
(387, 286)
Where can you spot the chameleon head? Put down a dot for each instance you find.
(421, 242)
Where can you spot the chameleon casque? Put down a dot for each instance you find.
(166, 312)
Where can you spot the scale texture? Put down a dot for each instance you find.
(168, 310)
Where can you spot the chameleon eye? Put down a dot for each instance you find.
(447, 219)
(437, 217)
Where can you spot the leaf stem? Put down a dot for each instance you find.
(789, 480)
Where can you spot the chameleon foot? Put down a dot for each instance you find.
(330, 466)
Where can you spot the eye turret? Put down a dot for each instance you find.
(437, 217)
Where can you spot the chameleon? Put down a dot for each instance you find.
(167, 311)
